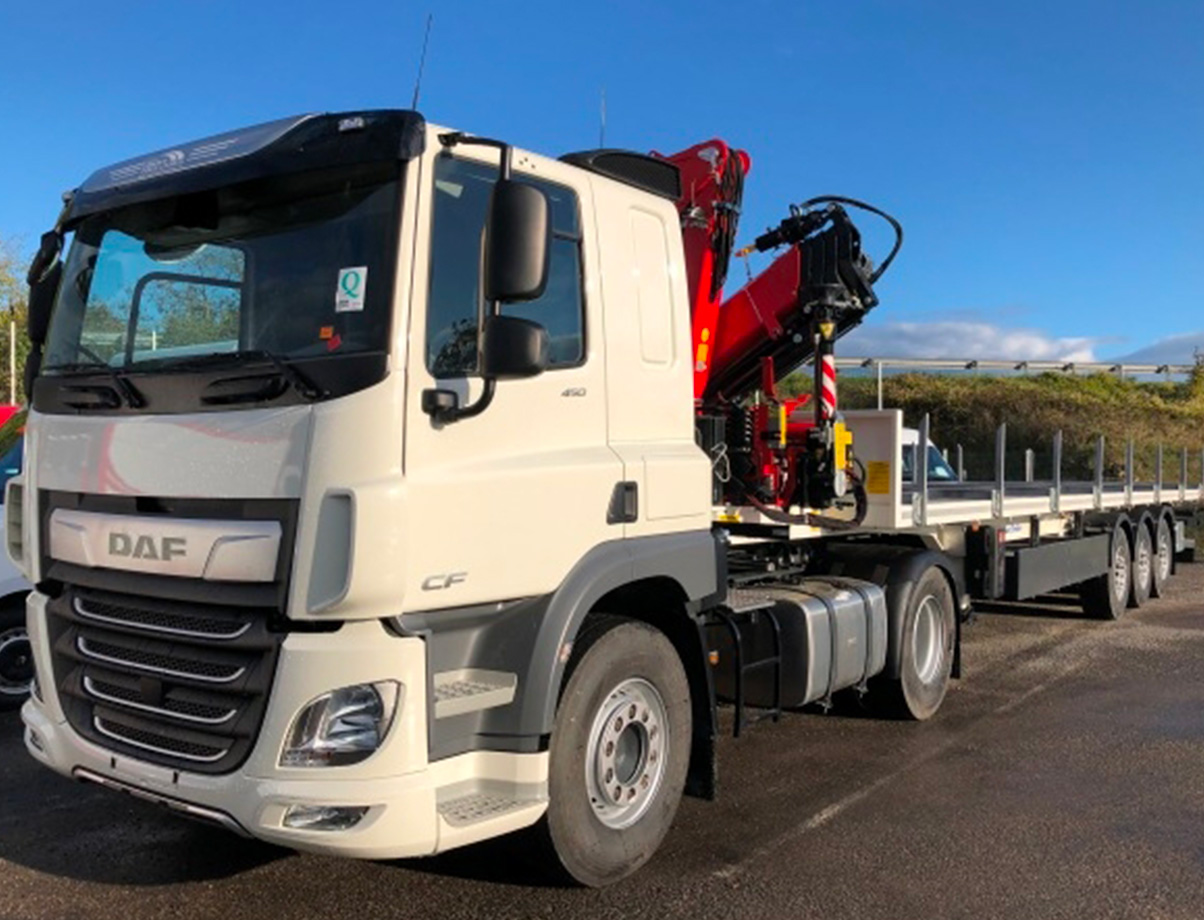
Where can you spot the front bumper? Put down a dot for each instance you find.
(405, 795)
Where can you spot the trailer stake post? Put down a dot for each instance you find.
(961, 465)
(1182, 474)
(1029, 459)
(999, 494)
(1098, 489)
(1129, 473)
(919, 502)
(1055, 492)
(1158, 474)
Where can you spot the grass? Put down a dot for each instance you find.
(966, 409)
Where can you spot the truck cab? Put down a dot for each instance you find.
(292, 577)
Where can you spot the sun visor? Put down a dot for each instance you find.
(290, 145)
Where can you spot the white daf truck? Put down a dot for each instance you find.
(373, 510)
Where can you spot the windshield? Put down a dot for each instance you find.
(295, 265)
(939, 469)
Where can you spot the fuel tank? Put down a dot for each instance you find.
(832, 636)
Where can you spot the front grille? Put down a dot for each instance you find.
(159, 744)
(183, 685)
(190, 711)
(155, 621)
(157, 663)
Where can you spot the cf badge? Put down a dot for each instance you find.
(442, 582)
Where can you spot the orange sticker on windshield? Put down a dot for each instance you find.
(326, 332)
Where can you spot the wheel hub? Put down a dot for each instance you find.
(628, 748)
(16, 662)
(1120, 570)
(1164, 554)
(928, 639)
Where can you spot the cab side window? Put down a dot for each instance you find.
(454, 304)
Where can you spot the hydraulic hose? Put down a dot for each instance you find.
(817, 520)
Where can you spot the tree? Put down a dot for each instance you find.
(14, 307)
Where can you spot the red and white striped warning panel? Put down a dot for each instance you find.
(827, 392)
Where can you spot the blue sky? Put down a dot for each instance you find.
(1046, 158)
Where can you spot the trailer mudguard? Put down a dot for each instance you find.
(896, 569)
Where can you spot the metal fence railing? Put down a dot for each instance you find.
(1122, 370)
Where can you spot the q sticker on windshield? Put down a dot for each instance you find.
(353, 283)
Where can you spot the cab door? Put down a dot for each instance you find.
(502, 505)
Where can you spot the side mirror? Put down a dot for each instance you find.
(41, 302)
(517, 239)
(512, 348)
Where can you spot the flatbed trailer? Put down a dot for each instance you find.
(1115, 542)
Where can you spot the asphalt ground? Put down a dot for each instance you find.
(1064, 777)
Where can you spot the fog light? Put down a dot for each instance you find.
(342, 727)
(324, 817)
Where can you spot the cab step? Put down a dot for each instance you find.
(471, 690)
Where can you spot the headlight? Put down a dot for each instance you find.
(342, 727)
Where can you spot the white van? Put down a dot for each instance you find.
(939, 469)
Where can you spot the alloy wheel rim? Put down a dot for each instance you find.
(627, 754)
(927, 640)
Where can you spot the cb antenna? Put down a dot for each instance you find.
(422, 61)
(602, 125)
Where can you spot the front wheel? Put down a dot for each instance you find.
(16, 658)
(619, 751)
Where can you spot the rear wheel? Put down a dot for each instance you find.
(1164, 555)
(926, 655)
(1143, 565)
(619, 752)
(16, 658)
(1105, 596)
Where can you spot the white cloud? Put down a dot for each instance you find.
(964, 339)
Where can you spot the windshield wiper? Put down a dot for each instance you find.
(298, 379)
(301, 381)
(129, 394)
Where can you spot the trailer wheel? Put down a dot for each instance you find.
(1143, 565)
(1105, 596)
(16, 657)
(1164, 556)
(926, 655)
(619, 751)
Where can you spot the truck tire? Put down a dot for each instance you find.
(1105, 596)
(619, 751)
(926, 653)
(1164, 556)
(1143, 564)
(16, 657)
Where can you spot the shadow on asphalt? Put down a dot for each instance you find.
(78, 831)
(74, 830)
(510, 860)
(1051, 607)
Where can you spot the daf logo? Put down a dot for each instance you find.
(144, 547)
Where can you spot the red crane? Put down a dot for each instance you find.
(767, 452)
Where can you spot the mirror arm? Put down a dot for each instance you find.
(475, 408)
(450, 140)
